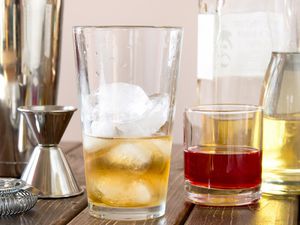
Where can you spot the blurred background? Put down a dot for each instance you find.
(130, 12)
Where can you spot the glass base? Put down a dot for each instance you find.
(284, 182)
(221, 197)
(281, 188)
(115, 213)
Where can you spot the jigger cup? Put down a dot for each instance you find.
(48, 169)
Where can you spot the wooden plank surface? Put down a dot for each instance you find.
(270, 210)
(69, 146)
(177, 209)
(54, 211)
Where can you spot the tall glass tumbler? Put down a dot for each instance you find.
(127, 83)
(222, 156)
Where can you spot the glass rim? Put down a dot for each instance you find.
(286, 53)
(224, 109)
(46, 108)
(126, 27)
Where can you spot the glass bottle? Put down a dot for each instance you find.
(281, 102)
(238, 48)
(207, 31)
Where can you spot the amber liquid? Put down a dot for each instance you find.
(127, 172)
(244, 131)
(281, 151)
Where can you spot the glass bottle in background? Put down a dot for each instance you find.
(281, 101)
(232, 66)
(207, 31)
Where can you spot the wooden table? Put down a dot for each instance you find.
(73, 211)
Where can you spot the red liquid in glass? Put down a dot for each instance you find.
(224, 168)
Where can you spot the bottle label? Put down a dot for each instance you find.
(243, 44)
(206, 46)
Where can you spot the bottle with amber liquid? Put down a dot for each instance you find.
(281, 102)
(281, 125)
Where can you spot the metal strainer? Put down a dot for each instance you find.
(16, 196)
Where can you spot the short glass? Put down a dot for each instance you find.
(222, 155)
(127, 83)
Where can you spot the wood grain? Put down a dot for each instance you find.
(177, 209)
(270, 210)
(69, 146)
(54, 211)
(75, 159)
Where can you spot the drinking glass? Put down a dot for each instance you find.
(127, 83)
(222, 155)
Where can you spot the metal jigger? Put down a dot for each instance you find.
(48, 169)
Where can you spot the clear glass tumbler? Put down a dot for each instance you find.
(127, 83)
(222, 155)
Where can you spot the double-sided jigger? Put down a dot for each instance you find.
(48, 169)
